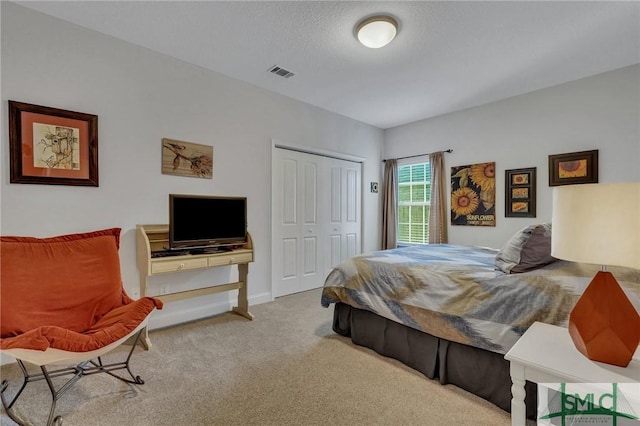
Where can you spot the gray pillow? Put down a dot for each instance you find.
(528, 249)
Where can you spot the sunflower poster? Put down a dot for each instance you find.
(473, 195)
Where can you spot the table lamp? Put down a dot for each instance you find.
(600, 223)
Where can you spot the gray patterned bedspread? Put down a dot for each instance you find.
(453, 292)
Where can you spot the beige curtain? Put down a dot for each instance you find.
(438, 213)
(390, 205)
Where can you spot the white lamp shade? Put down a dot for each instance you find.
(377, 32)
(597, 223)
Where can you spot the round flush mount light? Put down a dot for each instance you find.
(377, 31)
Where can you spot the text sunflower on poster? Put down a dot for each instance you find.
(473, 194)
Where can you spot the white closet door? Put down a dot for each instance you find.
(297, 261)
(344, 224)
(316, 218)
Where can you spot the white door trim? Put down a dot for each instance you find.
(315, 151)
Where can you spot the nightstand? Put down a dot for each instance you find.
(546, 354)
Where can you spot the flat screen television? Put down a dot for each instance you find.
(202, 221)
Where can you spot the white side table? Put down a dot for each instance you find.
(546, 354)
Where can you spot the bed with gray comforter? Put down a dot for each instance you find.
(446, 311)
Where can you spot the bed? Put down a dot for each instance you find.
(448, 312)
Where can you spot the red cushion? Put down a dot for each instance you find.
(57, 288)
(113, 326)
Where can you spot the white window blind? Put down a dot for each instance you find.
(414, 192)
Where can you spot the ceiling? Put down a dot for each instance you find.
(447, 56)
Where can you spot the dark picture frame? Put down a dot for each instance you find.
(573, 168)
(520, 192)
(52, 146)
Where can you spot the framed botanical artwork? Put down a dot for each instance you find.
(520, 192)
(473, 195)
(574, 167)
(188, 159)
(52, 146)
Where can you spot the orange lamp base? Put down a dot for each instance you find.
(604, 325)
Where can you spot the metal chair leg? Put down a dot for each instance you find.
(27, 378)
(83, 369)
(101, 368)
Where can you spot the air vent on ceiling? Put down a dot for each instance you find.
(281, 72)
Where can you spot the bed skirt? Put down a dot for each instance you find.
(478, 371)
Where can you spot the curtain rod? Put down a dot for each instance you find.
(417, 155)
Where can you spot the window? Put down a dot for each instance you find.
(414, 194)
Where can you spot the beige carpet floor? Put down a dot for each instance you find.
(287, 367)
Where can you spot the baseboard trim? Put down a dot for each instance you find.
(158, 320)
(162, 319)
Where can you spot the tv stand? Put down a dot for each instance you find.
(152, 243)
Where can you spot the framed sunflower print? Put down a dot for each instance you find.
(52, 146)
(520, 193)
(574, 167)
(473, 195)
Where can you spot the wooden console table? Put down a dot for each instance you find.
(155, 238)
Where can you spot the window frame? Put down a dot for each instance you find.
(423, 160)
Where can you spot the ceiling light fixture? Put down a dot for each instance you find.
(377, 31)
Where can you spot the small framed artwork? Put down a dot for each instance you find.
(52, 146)
(574, 167)
(188, 159)
(520, 192)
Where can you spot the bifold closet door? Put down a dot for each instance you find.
(297, 261)
(342, 239)
(316, 218)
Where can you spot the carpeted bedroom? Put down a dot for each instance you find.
(287, 368)
(269, 213)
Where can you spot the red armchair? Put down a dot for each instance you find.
(62, 302)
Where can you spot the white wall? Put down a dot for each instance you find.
(600, 112)
(140, 97)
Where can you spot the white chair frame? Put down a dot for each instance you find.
(84, 364)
